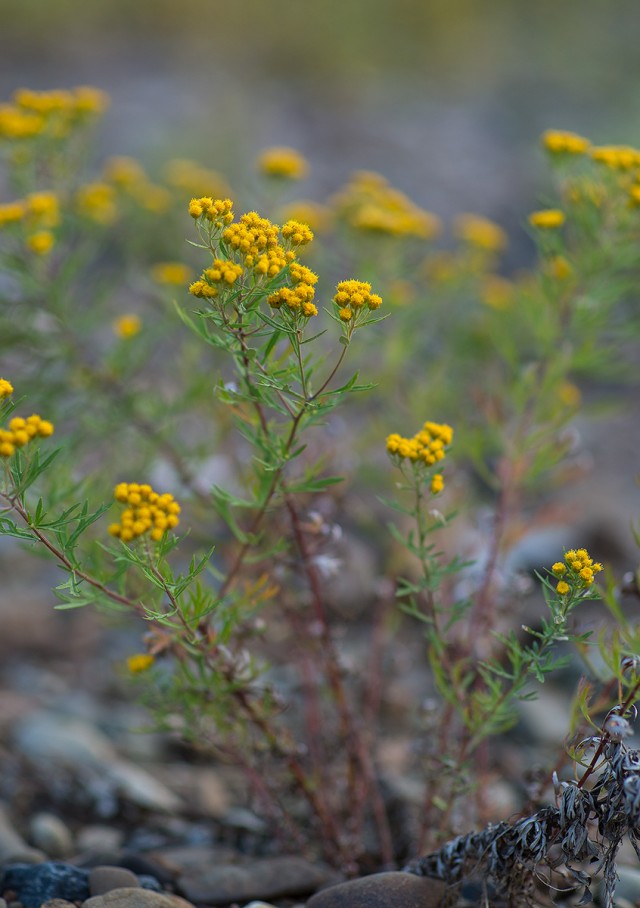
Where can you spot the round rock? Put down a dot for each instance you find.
(104, 878)
(393, 889)
(136, 898)
(49, 833)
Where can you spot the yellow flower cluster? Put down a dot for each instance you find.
(147, 512)
(128, 178)
(6, 388)
(577, 571)
(428, 446)
(297, 299)
(97, 202)
(547, 219)
(480, 233)
(617, 157)
(560, 142)
(139, 662)
(284, 163)
(257, 240)
(353, 297)
(38, 213)
(218, 211)
(296, 234)
(54, 113)
(22, 431)
(171, 273)
(370, 204)
(222, 271)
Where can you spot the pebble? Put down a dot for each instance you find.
(260, 878)
(34, 884)
(259, 905)
(393, 889)
(106, 877)
(13, 848)
(135, 898)
(58, 903)
(48, 832)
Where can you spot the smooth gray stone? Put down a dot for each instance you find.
(105, 877)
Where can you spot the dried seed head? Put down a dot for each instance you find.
(617, 728)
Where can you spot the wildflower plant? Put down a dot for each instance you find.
(233, 350)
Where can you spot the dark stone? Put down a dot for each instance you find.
(393, 889)
(34, 884)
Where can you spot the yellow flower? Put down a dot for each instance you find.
(123, 171)
(97, 202)
(559, 569)
(480, 233)
(6, 388)
(345, 314)
(12, 212)
(140, 662)
(21, 431)
(497, 292)
(562, 588)
(41, 242)
(428, 446)
(147, 512)
(437, 484)
(127, 326)
(569, 394)
(90, 100)
(559, 268)
(171, 273)
(559, 142)
(222, 271)
(19, 124)
(282, 162)
(548, 219)
(44, 207)
(617, 157)
(296, 233)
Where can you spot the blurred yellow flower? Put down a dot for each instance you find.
(41, 242)
(548, 219)
(140, 662)
(171, 273)
(480, 232)
(127, 326)
(559, 142)
(283, 162)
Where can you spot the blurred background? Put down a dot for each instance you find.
(447, 98)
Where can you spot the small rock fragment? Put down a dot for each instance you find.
(106, 877)
(393, 889)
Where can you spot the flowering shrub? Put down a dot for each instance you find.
(233, 351)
